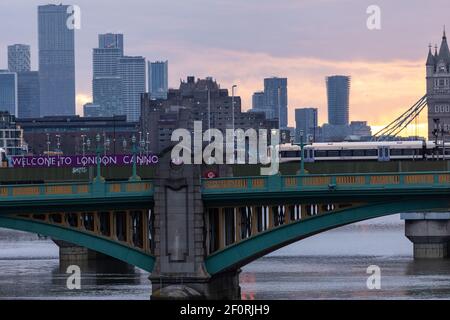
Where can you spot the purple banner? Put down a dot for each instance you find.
(80, 161)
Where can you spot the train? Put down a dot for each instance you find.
(366, 151)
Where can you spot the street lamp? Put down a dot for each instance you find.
(83, 145)
(232, 106)
(134, 176)
(147, 146)
(58, 142)
(302, 153)
(98, 150)
(48, 144)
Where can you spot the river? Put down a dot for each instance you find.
(331, 265)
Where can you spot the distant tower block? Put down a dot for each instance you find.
(438, 88)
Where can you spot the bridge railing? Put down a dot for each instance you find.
(325, 182)
(79, 189)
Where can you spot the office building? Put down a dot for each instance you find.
(276, 99)
(106, 82)
(28, 94)
(8, 92)
(76, 134)
(306, 122)
(19, 58)
(189, 103)
(56, 61)
(158, 79)
(132, 75)
(338, 95)
(92, 110)
(11, 135)
(111, 41)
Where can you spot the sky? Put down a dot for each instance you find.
(243, 41)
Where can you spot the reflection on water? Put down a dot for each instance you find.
(331, 265)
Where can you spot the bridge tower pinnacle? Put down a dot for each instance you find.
(438, 88)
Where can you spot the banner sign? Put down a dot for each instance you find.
(81, 161)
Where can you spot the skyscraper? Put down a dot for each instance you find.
(8, 92)
(132, 76)
(276, 98)
(106, 82)
(28, 94)
(111, 41)
(56, 61)
(158, 79)
(306, 120)
(258, 101)
(19, 58)
(338, 94)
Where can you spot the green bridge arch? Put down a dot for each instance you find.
(250, 249)
(106, 246)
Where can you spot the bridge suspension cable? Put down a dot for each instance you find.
(394, 128)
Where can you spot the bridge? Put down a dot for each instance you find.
(198, 233)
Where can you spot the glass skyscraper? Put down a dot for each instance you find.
(106, 82)
(276, 98)
(306, 120)
(158, 79)
(132, 76)
(111, 41)
(338, 94)
(8, 92)
(19, 58)
(28, 91)
(56, 61)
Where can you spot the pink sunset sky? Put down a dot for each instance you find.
(243, 41)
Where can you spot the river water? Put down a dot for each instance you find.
(331, 265)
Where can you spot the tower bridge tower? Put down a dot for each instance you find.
(438, 88)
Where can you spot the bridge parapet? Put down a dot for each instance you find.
(54, 191)
(325, 182)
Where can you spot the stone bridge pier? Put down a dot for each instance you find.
(180, 238)
(429, 232)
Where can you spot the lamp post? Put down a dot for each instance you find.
(302, 150)
(232, 106)
(279, 107)
(302, 153)
(48, 144)
(58, 143)
(98, 150)
(147, 144)
(83, 145)
(134, 176)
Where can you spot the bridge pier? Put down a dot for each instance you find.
(429, 232)
(224, 286)
(71, 254)
(180, 238)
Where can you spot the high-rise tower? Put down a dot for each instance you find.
(106, 82)
(338, 95)
(56, 61)
(19, 58)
